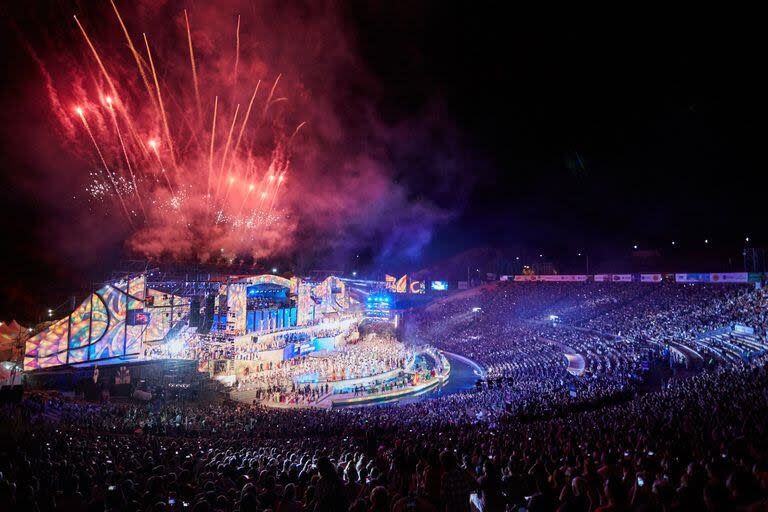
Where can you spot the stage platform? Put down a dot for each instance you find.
(350, 399)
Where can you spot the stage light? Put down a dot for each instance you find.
(673, 242)
(274, 271)
(354, 274)
(746, 239)
(634, 246)
(706, 240)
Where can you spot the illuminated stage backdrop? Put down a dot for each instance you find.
(305, 306)
(236, 306)
(112, 322)
(331, 295)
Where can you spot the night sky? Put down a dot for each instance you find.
(556, 134)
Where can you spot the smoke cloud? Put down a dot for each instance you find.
(314, 175)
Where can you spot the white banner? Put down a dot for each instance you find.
(505, 278)
(601, 278)
(621, 278)
(650, 278)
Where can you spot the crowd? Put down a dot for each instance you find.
(534, 437)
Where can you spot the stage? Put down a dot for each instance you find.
(382, 388)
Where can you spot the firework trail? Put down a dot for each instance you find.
(221, 195)
(107, 171)
(108, 100)
(226, 148)
(210, 157)
(194, 69)
(237, 51)
(160, 104)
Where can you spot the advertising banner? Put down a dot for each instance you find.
(524, 277)
(650, 278)
(417, 287)
(602, 278)
(692, 278)
(564, 278)
(730, 277)
(621, 278)
(505, 278)
(402, 284)
(439, 286)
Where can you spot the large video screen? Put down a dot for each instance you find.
(440, 286)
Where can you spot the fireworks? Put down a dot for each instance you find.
(155, 138)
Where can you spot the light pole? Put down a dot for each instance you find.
(586, 257)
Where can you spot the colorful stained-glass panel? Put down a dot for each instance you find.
(80, 325)
(237, 302)
(136, 291)
(99, 324)
(97, 329)
(49, 347)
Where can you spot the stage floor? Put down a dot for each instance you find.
(462, 377)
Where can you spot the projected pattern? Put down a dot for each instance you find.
(97, 329)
